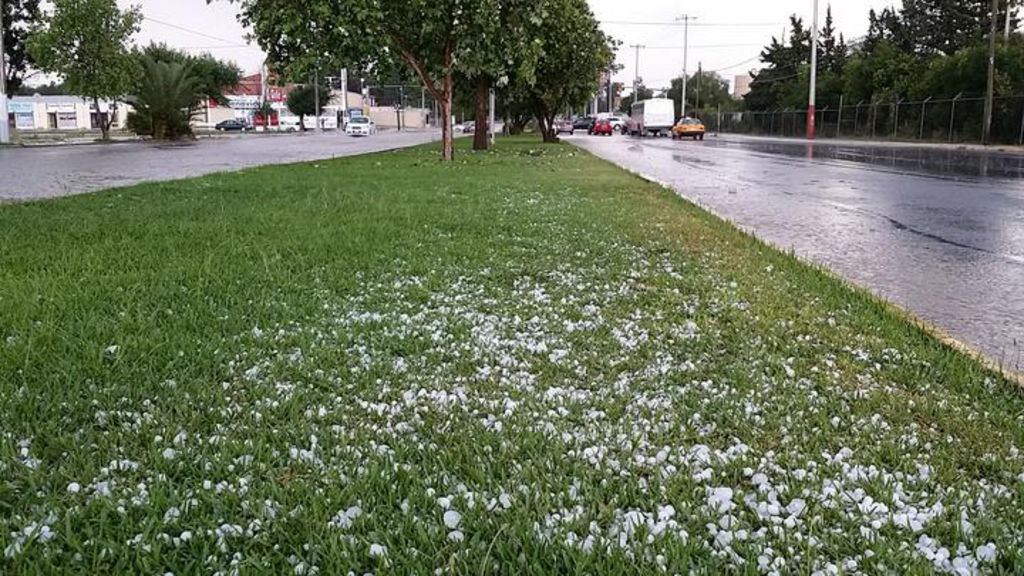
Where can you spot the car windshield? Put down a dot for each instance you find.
(691, 122)
(361, 120)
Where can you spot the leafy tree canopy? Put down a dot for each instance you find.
(302, 101)
(165, 99)
(85, 42)
(642, 93)
(18, 17)
(704, 91)
(211, 76)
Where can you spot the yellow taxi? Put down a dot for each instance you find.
(688, 128)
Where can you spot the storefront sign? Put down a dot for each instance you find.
(243, 102)
(20, 107)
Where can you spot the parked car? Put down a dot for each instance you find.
(231, 126)
(603, 128)
(583, 123)
(360, 126)
(689, 128)
(654, 117)
(469, 128)
(564, 127)
(618, 123)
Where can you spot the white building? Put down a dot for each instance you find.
(41, 113)
(742, 85)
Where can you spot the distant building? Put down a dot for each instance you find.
(742, 86)
(244, 99)
(40, 113)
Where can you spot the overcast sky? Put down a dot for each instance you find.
(727, 35)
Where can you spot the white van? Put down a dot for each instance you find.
(655, 117)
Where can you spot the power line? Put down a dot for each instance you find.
(701, 25)
(218, 47)
(772, 80)
(196, 32)
(745, 62)
(704, 46)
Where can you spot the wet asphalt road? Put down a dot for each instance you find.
(45, 172)
(937, 231)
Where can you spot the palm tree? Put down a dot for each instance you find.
(166, 100)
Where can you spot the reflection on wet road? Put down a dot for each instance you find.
(940, 232)
(30, 173)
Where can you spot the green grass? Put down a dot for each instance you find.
(203, 376)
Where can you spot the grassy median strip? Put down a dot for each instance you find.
(528, 362)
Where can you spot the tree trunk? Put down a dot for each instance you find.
(482, 96)
(104, 126)
(302, 122)
(550, 135)
(447, 137)
(546, 121)
(443, 96)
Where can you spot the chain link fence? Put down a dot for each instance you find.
(954, 120)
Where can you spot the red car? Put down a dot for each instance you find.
(603, 128)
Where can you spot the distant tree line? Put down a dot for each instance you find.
(704, 91)
(926, 48)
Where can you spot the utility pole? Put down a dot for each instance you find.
(611, 92)
(700, 73)
(812, 99)
(344, 98)
(316, 96)
(636, 73)
(685, 18)
(5, 128)
(1009, 15)
(986, 134)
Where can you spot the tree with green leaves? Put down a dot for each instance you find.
(302, 102)
(173, 86)
(574, 52)
(429, 36)
(86, 43)
(834, 51)
(710, 86)
(644, 93)
(503, 49)
(18, 16)
(778, 84)
(212, 76)
(165, 99)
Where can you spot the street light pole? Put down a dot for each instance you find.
(986, 134)
(5, 129)
(316, 96)
(685, 18)
(1009, 15)
(812, 99)
(636, 73)
(700, 72)
(344, 98)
